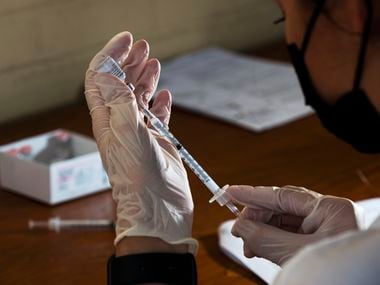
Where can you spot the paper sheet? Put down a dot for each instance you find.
(371, 210)
(253, 93)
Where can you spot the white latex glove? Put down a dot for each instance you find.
(277, 222)
(149, 181)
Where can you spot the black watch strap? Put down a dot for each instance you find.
(170, 268)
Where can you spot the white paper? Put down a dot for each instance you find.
(253, 93)
(371, 210)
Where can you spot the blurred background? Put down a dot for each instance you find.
(46, 45)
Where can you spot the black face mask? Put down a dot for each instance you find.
(352, 118)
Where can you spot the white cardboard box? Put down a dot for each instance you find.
(58, 182)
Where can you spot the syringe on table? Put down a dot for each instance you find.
(57, 224)
(109, 65)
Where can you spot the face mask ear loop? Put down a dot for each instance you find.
(364, 45)
(310, 27)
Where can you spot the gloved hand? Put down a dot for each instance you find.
(149, 181)
(277, 222)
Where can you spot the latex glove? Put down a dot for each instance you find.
(277, 222)
(149, 181)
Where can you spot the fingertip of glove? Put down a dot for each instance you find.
(125, 34)
(120, 40)
(232, 189)
(143, 45)
(234, 231)
(155, 63)
(163, 99)
(238, 227)
(235, 191)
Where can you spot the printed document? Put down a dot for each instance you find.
(249, 92)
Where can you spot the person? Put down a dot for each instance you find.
(317, 239)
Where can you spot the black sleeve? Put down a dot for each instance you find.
(169, 268)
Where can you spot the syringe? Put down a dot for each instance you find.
(192, 164)
(109, 65)
(56, 224)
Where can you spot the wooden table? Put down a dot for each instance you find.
(300, 153)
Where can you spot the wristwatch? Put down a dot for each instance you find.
(170, 268)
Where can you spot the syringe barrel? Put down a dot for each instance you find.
(198, 170)
(86, 223)
(233, 209)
